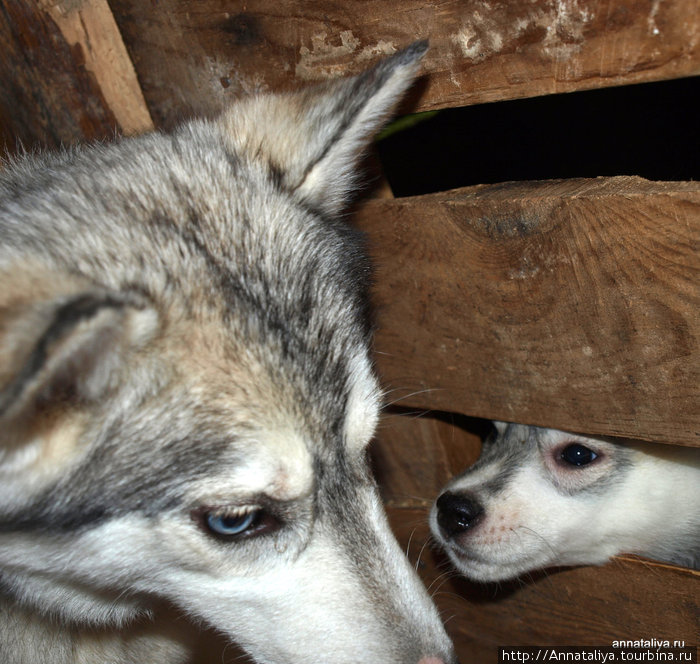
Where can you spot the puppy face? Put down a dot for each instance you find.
(538, 498)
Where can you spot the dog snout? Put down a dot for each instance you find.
(457, 512)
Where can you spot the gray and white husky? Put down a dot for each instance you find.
(186, 394)
(539, 498)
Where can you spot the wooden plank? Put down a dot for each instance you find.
(191, 57)
(571, 304)
(626, 599)
(416, 455)
(65, 75)
(89, 26)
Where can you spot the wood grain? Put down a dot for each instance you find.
(416, 454)
(572, 304)
(191, 57)
(65, 76)
(627, 598)
(88, 26)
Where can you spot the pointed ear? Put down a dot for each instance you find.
(500, 426)
(314, 138)
(65, 354)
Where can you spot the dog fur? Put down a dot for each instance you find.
(186, 394)
(537, 498)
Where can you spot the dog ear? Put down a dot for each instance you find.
(61, 356)
(313, 139)
(500, 426)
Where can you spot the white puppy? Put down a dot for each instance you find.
(539, 498)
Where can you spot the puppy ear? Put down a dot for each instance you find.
(62, 356)
(500, 426)
(313, 139)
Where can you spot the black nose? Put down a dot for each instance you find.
(457, 512)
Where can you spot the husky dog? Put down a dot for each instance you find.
(541, 497)
(186, 394)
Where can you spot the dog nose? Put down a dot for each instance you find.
(457, 512)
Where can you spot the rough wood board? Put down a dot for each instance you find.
(572, 304)
(625, 599)
(65, 75)
(88, 26)
(193, 56)
(415, 455)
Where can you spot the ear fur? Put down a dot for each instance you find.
(314, 138)
(500, 426)
(59, 357)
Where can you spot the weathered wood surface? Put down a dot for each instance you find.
(416, 455)
(627, 599)
(572, 304)
(193, 56)
(65, 75)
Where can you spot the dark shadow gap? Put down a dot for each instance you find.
(651, 130)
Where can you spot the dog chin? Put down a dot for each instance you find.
(476, 568)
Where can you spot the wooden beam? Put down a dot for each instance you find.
(192, 57)
(65, 75)
(415, 456)
(88, 25)
(571, 304)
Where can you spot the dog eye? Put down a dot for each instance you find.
(236, 524)
(578, 455)
(224, 524)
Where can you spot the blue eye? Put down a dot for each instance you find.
(578, 455)
(229, 525)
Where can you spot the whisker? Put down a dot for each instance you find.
(442, 579)
(422, 549)
(427, 390)
(410, 537)
(541, 537)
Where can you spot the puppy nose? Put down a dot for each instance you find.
(457, 512)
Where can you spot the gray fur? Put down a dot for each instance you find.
(515, 443)
(184, 332)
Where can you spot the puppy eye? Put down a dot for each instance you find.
(236, 524)
(578, 455)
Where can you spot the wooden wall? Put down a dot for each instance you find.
(72, 66)
(65, 75)
(571, 304)
(563, 303)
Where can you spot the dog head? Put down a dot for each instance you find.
(539, 498)
(186, 391)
